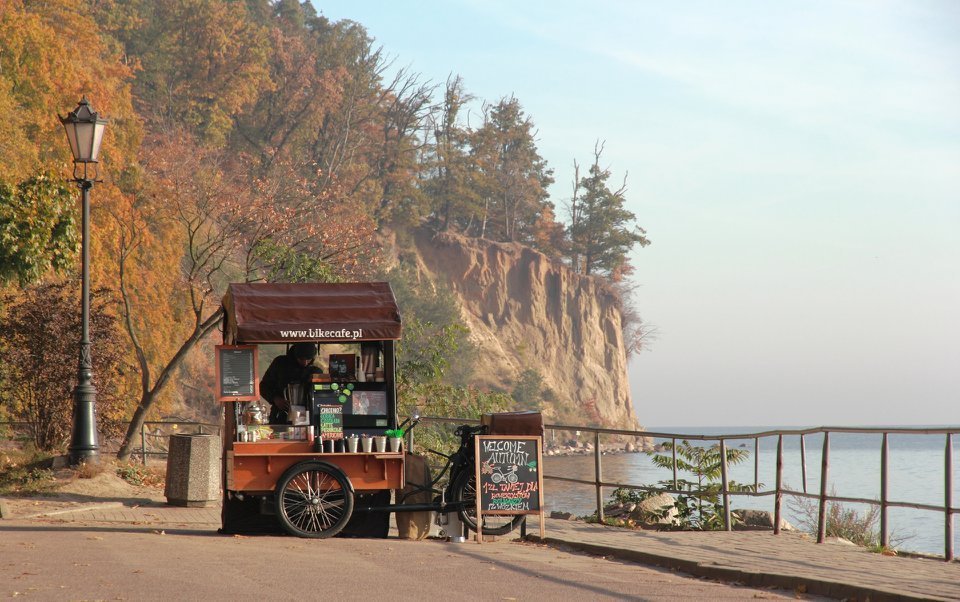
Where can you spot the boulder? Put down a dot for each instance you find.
(753, 518)
(646, 511)
(614, 510)
(758, 519)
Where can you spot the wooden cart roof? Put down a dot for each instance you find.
(280, 313)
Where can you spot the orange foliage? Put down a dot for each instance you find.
(51, 54)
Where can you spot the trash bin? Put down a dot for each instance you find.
(193, 470)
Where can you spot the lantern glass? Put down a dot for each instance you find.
(84, 132)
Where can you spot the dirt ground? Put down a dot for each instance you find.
(71, 488)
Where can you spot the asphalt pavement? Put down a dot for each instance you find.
(145, 549)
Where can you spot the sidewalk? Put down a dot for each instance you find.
(761, 559)
(754, 558)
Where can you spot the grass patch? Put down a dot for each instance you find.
(141, 476)
(26, 473)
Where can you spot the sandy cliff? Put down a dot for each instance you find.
(528, 312)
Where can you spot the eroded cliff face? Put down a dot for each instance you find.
(528, 312)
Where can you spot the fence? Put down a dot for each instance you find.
(823, 498)
(154, 434)
(158, 432)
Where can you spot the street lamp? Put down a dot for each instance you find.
(85, 133)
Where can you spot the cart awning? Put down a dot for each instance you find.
(339, 312)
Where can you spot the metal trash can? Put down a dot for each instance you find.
(193, 470)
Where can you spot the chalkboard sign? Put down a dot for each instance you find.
(511, 480)
(236, 372)
(329, 421)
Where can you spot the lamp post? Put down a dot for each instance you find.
(85, 133)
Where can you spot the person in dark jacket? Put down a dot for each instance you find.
(294, 367)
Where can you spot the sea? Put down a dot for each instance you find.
(916, 475)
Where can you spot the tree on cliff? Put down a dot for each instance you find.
(602, 231)
(447, 164)
(509, 173)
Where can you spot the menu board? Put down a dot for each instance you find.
(511, 481)
(236, 373)
(329, 421)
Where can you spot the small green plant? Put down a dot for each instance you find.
(140, 476)
(699, 504)
(394, 433)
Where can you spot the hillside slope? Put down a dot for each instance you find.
(526, 311)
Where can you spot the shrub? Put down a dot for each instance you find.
(842, 521)
(699, 503)
(141, 476)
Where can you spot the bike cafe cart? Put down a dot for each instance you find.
(301, 475)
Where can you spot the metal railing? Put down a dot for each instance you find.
(160, 433)
(157, 435)
(823, 498)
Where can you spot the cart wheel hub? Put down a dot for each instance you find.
(315, 501)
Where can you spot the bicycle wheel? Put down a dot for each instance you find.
(314, 499)
(465, 490)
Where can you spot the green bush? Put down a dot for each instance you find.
(699, 503)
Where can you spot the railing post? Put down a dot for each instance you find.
(143, 444)
(824, 473)
(884, 468)
(778, 498)
(756, 464)
(803, 462)
(673, 447)
(599, 476)
(723, 477)
(948, 499)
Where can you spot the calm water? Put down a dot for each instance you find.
(916, 475)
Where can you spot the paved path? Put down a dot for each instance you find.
(112, 552)
(759, 558)
(754, 558)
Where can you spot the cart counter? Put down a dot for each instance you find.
(255, 467)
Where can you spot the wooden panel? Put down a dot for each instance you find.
(255, 470)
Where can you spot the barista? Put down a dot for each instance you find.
(294, 367)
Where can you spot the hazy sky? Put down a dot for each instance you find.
(796, 164)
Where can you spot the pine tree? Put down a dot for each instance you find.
(602, 231)
(510, 174)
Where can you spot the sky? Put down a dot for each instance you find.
(796, 165)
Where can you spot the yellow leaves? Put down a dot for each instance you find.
(50, 54)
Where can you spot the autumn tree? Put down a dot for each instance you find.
(602, 231)
(52, 53)
(405, 110)
(223, 222)
(332, 111)
(39, 377)
(285, 118)
(446, 165)
(201, 61)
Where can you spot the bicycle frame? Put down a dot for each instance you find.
(456, 463)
